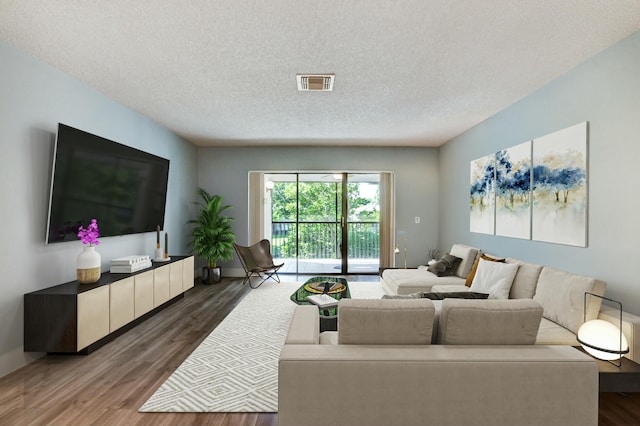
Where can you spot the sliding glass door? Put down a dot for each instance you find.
(324, 223)
(362, 224)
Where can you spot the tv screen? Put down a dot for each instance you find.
(124, 188)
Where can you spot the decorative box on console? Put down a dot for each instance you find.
(130, 264)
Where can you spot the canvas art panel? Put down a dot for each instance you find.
(559, 212)
(513, 191)
(482, 195)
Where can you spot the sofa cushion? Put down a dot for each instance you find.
(328, 338)
(494, 278)
(474, 268)
(445, 266)
(489, 322)
(561, 295)
(449, 288)
(385, 321)
(407, 281)
(551, 333)
(465, 294)
(468, 256)
(524, 284)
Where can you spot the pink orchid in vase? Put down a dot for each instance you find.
(90, 234)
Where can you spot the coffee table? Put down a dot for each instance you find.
(328, 316)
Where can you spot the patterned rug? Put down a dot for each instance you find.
(235, 369)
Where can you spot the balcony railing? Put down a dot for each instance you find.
(321, 240)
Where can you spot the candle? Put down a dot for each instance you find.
(166, 245)
(158, 237)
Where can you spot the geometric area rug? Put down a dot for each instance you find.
(235, 368)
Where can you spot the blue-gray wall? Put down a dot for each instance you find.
(605, 91)
(34, 97)
(225, 171)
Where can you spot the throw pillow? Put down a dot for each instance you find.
(494, 278)
(468, 256)
(561, 295)
(472, 273)
(446, 266)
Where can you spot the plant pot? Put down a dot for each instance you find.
(210, 275)
(88, 266)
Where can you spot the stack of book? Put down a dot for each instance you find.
(322, 300)
(129, 264)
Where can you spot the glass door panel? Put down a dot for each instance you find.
(311, 230)
(363, 223)
(319, 211)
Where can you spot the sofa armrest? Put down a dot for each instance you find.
(630, 328)
(305, 326)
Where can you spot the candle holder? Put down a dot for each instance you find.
(159, 254)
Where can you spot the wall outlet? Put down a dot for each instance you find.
(417, 219)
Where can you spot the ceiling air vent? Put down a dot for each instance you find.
(315, 82)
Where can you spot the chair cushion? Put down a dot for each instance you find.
(561, 295)
(385, 321)
(489, 322)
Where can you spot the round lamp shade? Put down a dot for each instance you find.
(602, 340)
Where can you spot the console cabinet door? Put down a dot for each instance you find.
(143, 293)
(121, 303)
(161, 287)
(175, 279)
(187, 273)
(93, 316)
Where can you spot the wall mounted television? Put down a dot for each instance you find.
(124, 188)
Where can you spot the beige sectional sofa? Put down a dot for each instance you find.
(381, 368)
(561, 295)
(411, 360)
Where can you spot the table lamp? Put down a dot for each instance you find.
(602, 339)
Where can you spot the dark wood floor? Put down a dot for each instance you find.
(108, 386)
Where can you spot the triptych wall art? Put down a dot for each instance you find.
(536, 190)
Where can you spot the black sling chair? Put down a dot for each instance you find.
(257, 261)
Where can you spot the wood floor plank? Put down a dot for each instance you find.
(108, 386)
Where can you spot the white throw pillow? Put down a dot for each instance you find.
(494, 278)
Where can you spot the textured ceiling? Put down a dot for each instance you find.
(408, 73)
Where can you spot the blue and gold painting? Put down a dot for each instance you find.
(513, 191)
(559, 212)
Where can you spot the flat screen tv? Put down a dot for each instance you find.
(124, 188)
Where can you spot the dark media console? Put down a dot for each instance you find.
(79, 318)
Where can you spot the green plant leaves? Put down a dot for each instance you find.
(212, 236)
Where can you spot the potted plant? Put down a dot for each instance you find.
(212, 237)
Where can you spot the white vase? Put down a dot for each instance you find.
(88, 265)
